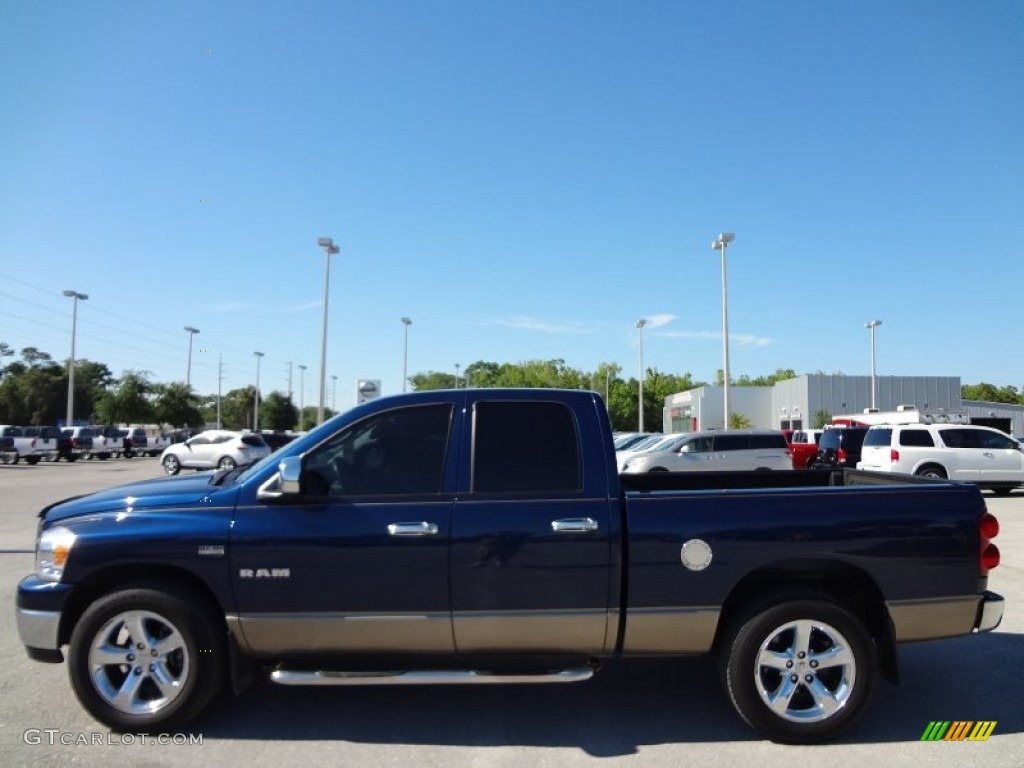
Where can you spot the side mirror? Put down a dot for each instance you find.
(686, 448)
(285, 482)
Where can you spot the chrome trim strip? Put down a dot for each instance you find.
(425, 677)
(933, 618)
(671, 630)
(38, 629)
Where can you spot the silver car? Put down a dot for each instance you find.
(214, 449)
(746, 449)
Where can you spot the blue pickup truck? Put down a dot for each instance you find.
(484, 536)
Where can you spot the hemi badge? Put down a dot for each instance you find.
(216, 550)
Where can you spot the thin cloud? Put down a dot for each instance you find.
(226, 307)
(739, 339)
(543, 326)
(656, 321)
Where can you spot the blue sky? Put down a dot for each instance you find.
(522, 179)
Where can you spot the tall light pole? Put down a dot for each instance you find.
(405, 352)
(256, 411)
(334, 393)
(721, 243)
(640, 398)
(302, 398)
(75, 296)
(329, 250)
(456, 375)
(188, 371)
(872, 324)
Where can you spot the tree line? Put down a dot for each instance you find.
(33, 390)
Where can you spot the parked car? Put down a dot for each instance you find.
(838, 448)
(626, 440)
(136, 442)
(732, 450)
(214, 449)
(45, 441)
(81, 441)
(804, 447)
(24, 445)
(975, 454)
(107, 442)
(8, 453)
(497, 544)
(649, 443)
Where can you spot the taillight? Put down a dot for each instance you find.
(988, 529)
(841, 455)
(894, 455)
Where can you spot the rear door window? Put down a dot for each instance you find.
(959, 438)
(916, 437)
(877, 437)
(525, 447)
(768, 441)
(727, 442)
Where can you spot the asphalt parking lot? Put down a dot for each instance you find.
(652, 712)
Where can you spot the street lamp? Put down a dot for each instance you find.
(302, 398)
(329, 249)
(334, 393)
(640, 405)
(75, 296)
(405, 352)
(872, 324)
(188, 371)
(721, 243)
(456, 375)
(256, 411)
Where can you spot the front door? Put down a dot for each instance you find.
(360, 562)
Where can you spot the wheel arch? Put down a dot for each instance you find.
(177, 580)
(844, 583)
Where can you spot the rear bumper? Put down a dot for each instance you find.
(990, 612)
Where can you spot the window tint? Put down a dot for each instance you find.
(959, 438)
(830, 439)
(876, 437)
(727, 442)
(524, 447)
(920, 437)
(400, 451)
(768, 441)
(993, 440)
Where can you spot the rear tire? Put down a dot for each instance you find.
(933, 471)
(798, 667)
(32, 460)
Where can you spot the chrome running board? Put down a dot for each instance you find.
(426, 677)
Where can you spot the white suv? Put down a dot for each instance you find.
(214, 449)
(713, 451)
(974, 454)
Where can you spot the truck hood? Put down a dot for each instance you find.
(160, 493)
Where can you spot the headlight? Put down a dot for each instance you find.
(52, 550)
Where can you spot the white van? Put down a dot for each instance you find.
(974, 454)
(736, 449)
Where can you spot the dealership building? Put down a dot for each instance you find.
(801, 402)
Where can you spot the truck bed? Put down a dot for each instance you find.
(813, 478)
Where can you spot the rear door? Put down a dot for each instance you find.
(532, 530)
(965, 460)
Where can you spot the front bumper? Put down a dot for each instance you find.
(990, 612)
(38, 613)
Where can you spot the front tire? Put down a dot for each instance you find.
(146, 659)
(171, 465)
(226, 463)
(798, 668)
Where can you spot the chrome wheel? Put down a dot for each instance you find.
(226, 463)
(805, 671)
(139, 662)
(171, 465)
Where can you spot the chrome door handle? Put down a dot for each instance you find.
(412, 529)
(987, 453)
(574, 525)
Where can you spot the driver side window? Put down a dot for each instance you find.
(401, 451)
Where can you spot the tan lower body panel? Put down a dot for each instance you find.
(288, 633)
(577, 632)
(670, 630)
(932, 619)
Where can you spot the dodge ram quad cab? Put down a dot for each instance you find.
(484, 536)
